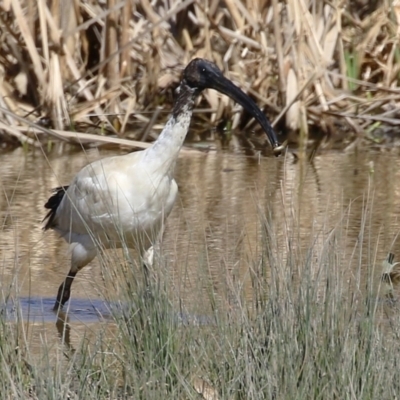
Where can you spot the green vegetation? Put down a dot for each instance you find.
(316, 326)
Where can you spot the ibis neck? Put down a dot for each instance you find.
(165, 150)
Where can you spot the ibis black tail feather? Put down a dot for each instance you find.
(52, 204)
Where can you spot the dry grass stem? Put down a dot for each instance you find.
(67, 60)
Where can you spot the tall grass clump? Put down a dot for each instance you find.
(315, 328)
(107, 67)
(316, 325)
(153, 349)
(15, 372)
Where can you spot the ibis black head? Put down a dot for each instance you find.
(201, 74)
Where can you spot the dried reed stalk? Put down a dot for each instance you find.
(318, 61)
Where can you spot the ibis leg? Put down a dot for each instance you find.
(148, 259)
(64, 291)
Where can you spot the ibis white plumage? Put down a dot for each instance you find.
(123, 201)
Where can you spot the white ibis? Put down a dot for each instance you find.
(123, 201)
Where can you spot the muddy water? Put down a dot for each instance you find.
(214, 234)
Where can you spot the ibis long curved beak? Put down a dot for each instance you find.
(225, 86)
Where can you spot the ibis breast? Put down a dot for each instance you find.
(116, 200)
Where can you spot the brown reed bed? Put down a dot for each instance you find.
(110, 67)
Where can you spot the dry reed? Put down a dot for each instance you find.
(331, 66)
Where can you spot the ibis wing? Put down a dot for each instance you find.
(114, 196)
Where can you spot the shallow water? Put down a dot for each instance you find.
(214, 234)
